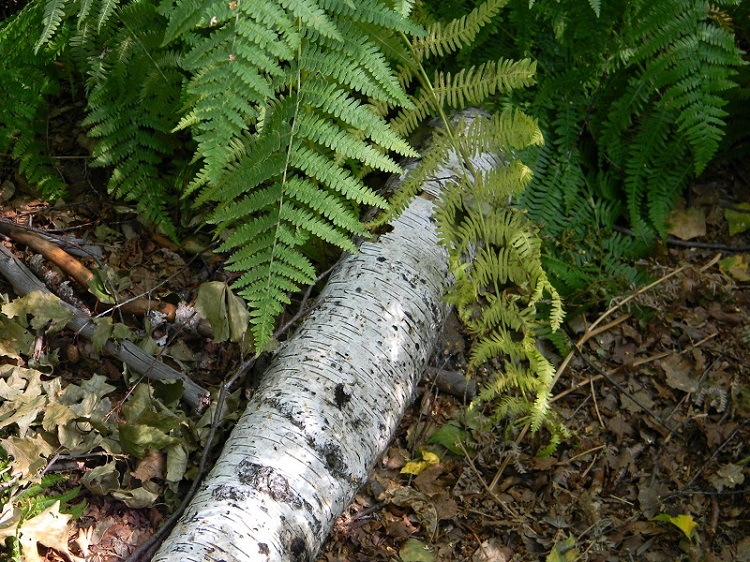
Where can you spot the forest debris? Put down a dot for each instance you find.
(80, 273)
(25, 282)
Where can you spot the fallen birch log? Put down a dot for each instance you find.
(328, 405)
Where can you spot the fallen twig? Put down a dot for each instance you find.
(25, 282)
(594, 328)
(80, 273)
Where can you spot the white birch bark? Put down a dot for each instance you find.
(328, 406)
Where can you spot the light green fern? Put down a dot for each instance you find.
(501, 291)
(501, 287)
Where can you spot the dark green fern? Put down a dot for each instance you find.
(27, 80)
(133, 86)
(665, 122)
(631, 98)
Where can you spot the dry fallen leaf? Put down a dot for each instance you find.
(687, 224)
(50, 528)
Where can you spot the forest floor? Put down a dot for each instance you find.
(657, 394)
(657, 397)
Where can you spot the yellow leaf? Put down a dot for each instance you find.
(736, 267)
(738, 218)
(416, 467)
(684, 523)
(430, 457)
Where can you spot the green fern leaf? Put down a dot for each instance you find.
(183, 16)
(54, 12)
(328, 134)
(442, 40)
(335, 178)
(373, 12)
(106, 9)
(133, 88)
(474, 84)
(334, 101)
(312, 16)
(84, 11)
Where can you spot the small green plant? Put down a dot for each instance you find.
(42, 512)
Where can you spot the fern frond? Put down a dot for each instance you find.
(25, 84)
(329, 134)
(422, 107)
(286, 179)
(54, 11)
(442, 40)
(106, 9)
(414, 182)
(331, 99)
(311, 15)
(328, 205)
(358, 53)
(375, 13)
(233, 76)
(505, 131)
(133, 89)
(473, 85)
(335, 178)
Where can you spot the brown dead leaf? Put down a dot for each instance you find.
(650, 493)
(728, 476)
(420, 503)
(428, 480)
(624, 353)
(492, 550)
(445, 506)
(152, 465)
(643, 397)
(687, 224)
(542, 463)
(395, 458)
(717, 311)
(401, 528)
(680, 373)
(619, 427)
